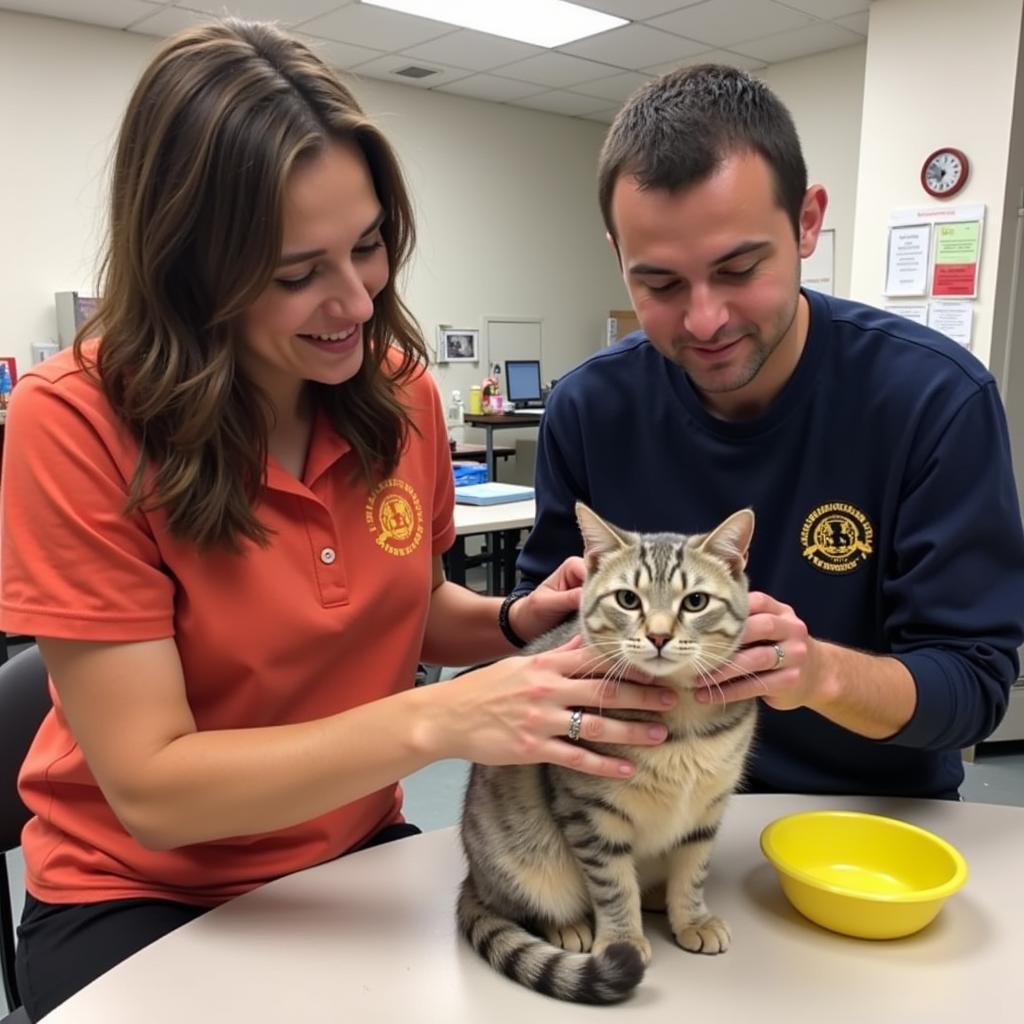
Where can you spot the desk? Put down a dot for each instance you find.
(478, 452)
(502, 525)
(371, 938)
(491, 423)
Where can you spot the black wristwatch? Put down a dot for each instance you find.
(504, 625)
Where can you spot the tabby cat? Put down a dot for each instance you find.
(559, 860)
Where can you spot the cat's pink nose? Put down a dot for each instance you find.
(659, 639)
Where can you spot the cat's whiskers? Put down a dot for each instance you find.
(612, 671)
(705, 674)
(615, 674)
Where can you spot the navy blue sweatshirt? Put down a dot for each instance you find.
(887, 516)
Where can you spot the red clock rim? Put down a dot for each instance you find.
(965, 163)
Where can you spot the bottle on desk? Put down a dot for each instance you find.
(5, 385)
(476, 400)
(456, 417)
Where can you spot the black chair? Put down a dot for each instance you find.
(24, 702)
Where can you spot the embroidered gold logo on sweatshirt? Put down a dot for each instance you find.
(836, 537)
(394, 515)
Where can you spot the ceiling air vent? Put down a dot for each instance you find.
(415, 71)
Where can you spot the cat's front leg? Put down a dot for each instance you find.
(695, 928)
(610, 875)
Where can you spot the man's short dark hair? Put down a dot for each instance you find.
(678, 130)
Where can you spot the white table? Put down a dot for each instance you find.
(502, 524)
(509, 515)
(371, 938)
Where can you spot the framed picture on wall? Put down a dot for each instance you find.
(458, 345)
(12, 368)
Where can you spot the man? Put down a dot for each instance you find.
(888, 558)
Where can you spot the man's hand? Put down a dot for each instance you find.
(870, 694)
(551, 602)
(778, 661)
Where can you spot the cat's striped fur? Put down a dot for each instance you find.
(559, 860)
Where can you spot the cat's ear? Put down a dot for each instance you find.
(730, 540)
(599, 538)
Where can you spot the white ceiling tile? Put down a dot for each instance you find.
(338, 55)
(801, 43)
(376, 28)
(735, 60)
(490, 87)
(724, 22)
(618, 87)
(560, 102)
(604, 116)
(109, 13)
(476, 50)
(855, 23)
(386, 66)
(169, 20)
(829, 9)
(557, 69)
(633, 47)
(637, 10)
(287, 12)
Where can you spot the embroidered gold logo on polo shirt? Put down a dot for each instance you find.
(836, 537)
(394, 515)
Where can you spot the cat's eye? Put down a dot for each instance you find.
(695, 602)
(628, 599)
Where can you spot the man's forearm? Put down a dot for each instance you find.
(872, 695)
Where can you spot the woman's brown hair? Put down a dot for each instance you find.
(215, 125)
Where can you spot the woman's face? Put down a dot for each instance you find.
(307, 325)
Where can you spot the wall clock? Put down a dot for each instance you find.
(944, 172)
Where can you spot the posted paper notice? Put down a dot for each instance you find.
(955, 269)
(916, 311)
(907, 270)
(953, 319)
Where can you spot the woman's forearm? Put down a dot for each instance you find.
(462, 628)
(212, 785)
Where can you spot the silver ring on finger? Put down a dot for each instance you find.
(575, 724)
(780, 656)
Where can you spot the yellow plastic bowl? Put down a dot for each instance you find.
(862, 874)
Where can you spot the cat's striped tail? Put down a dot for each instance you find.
(607, 977)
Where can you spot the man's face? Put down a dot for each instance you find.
(714, 275)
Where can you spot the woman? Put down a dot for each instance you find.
(224, 523)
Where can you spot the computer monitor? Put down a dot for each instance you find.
(522, 381)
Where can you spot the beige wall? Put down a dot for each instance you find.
(507, 213)
(938, 72)
(824, 93)
(505, 196)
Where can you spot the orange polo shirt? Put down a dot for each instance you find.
(329, 616)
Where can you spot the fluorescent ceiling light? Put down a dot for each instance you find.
(541, 22)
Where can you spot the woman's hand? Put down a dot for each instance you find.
(519, 711)
(551, 602)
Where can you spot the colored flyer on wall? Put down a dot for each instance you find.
(955, 263)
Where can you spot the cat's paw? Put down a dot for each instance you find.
(709, 936)
(638, 942)
(574, 938)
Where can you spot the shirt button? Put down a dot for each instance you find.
(327, 556)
